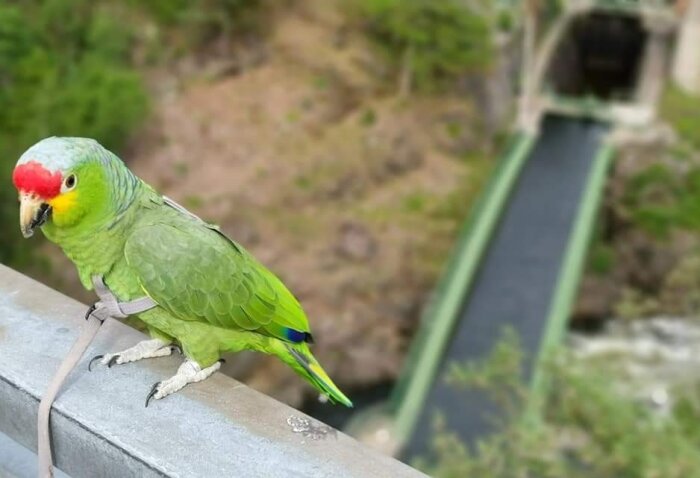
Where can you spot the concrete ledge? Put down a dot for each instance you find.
(100, 426)
(18, 462)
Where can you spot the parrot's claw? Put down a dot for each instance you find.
(90, 310)
(189, 372)
(113, 360)
(93, 360)
(153, 391)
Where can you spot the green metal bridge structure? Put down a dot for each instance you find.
(517, 263)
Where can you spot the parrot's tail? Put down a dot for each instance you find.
(307, 366)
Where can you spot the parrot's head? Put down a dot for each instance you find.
(61, 181)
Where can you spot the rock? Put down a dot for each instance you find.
(680, 292)
(596, 299)
(404, 155)
(656, 357)
(393, 152)
(644, 260)
(454, 134)
(355, 242)
(657, 135)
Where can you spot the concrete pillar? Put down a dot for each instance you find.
(527, 116)
(686, 67)
(654, 67)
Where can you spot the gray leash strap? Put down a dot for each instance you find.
(108, 306)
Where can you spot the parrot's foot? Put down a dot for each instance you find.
(142, 350)
(189, 372)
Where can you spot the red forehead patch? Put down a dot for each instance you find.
(32, 177)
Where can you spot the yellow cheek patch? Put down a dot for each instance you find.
(62, 204)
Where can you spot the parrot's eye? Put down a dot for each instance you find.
(69, 183)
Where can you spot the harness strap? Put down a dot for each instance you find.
(107, 306)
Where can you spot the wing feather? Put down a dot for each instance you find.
(196, 273)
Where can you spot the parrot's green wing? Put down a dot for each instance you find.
(196, 273)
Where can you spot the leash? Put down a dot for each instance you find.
(107, 307)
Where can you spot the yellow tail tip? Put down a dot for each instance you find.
(310, 369)
(329, 388)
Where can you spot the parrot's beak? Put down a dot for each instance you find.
(33, 212)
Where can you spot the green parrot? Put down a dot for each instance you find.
(212, 295)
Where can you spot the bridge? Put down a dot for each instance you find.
(599, 67)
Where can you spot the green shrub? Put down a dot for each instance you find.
(590, 428)
(601, 258)
(109, 35)
(64, 70)
(601, 255)
(660, 199)
(436, 41)
(683, 112)
(204, 20)
(100, 101)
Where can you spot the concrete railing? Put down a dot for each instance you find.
(100, 426)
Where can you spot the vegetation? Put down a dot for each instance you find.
(660, 199)
(197, 22)
(644, 258)
(589, 429)
(69, 68)
(432, 43)
(64, 70)
(681, 110)
(666, 196)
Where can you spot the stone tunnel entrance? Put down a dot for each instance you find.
(600, 55)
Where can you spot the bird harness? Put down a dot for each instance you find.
(107, 307)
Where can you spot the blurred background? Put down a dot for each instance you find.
(344, 143)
